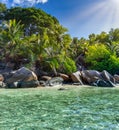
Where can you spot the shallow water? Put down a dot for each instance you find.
(50, 109)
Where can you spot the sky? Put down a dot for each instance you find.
(80, 17)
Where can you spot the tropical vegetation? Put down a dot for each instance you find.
(32, 34)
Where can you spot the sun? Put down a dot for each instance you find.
(114, 1)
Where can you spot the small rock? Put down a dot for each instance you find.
(63, 89)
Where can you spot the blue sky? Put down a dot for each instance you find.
(81, 17)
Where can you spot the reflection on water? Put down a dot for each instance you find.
(85, 109)
(93, 114)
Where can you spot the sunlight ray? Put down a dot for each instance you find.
(100, 16)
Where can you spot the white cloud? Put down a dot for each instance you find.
(29, 1)
(4, 1)
(41, 1)
(23, 2)
(17, 1)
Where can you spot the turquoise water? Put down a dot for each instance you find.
(50, 109)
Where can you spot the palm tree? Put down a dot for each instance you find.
(10, 37)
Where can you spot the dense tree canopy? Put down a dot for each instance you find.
(2, 7)
(30, 33)
(102, 51)
(34, 20)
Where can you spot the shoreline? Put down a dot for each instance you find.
(61, 87)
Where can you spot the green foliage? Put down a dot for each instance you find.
(41, 36)
(2, 10)
(113, 64)
(114, 35)
(69, 65)
(34, 20)
(103, 37)
(35, 35)
(97, 52)
(100, 58)
(10, 37)
(78, 47)
(97, 57)
(2, 7)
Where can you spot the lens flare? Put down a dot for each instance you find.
(114, 1)
(95, 18)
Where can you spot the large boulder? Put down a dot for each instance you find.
(93, 77)
(51, 82)
(1, 78)
(23, 84)
(90, 76)
(2, 84)
(45, 78)
(64, 76)
(22, 74)
(76, 77)
(116, 77)
(55, 81)
(103, 83)
(107, 76)
(29, 84)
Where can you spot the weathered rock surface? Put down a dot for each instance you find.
(93, 77)
(55, 81)
(90, 76)
(1, 78)
(64, 76)
(107, 76)
(116, 77)
(2, 84)
(21, 78)
(45, 78)
(76, 77)
(103, 83)
(22, 74)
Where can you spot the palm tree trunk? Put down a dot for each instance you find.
(54, 71)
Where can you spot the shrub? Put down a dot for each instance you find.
(69, 66)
